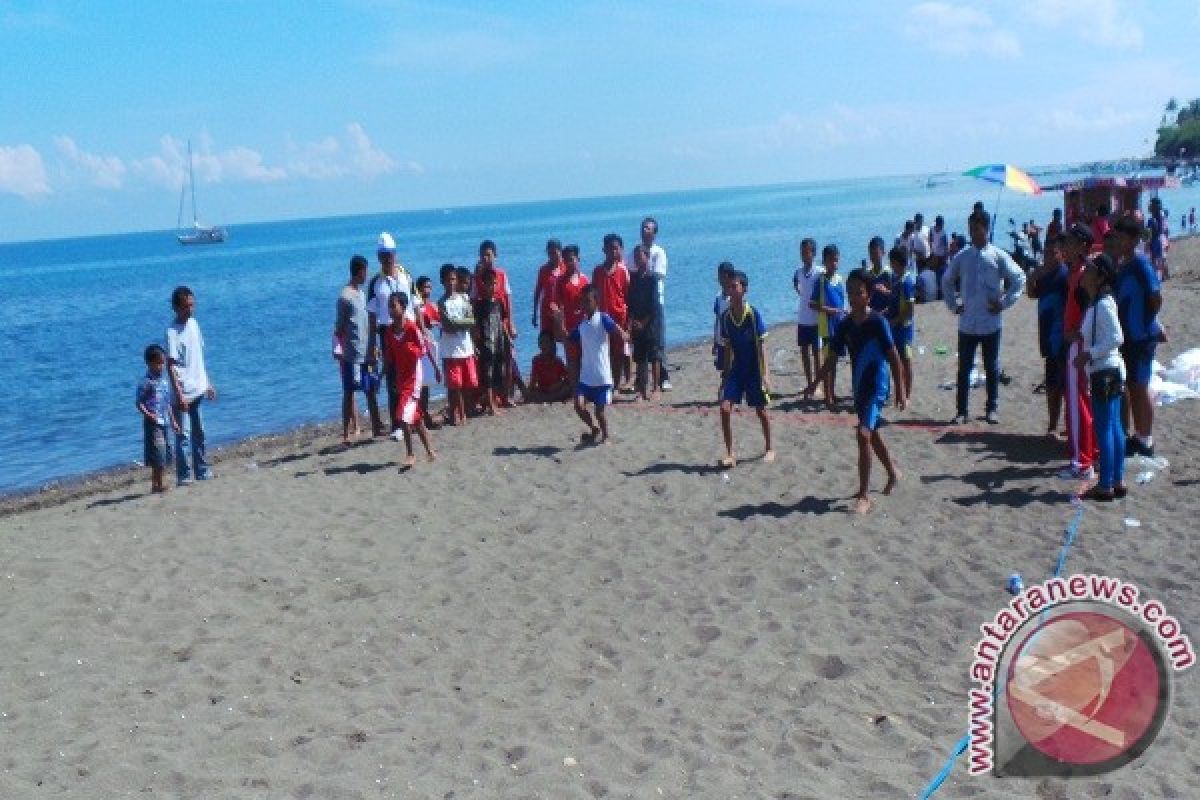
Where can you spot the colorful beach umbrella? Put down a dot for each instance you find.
(1008, 176)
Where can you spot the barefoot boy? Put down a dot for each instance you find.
(745, 373)
(803, 281)
(403, 347)
(154, 403)
(902, 301)
(829, 301)
(458, 351)
(591, 337)
(872, 351)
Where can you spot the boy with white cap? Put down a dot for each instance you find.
(392, 278)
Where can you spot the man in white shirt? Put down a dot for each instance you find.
(185, 354)
(657, 258)
(392, 278)
(918, 244)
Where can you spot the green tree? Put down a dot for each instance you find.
(1180, 135)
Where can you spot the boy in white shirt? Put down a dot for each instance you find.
(595, 371)
(458, 350)
(189, 379)
(803, 281)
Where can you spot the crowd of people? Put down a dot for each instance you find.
(1098, 300)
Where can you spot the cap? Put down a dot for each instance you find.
(386, 243)
(1081, 232)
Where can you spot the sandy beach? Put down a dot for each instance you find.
(529, 618)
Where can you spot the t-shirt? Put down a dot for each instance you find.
(547, 275)
(403, 352)
(592, 336)
(880, 300)
(829, 291)
(185, 351)
(612, 291)
(1051, 292)
(1158, 235)
(489, 320)
(803, 281)
(1136, 282)
(940, 244)
(456, 343)
(657, 263)
(929, 286)
(740, 337)
(901, 303)
(720, 306)
(1073, 310)
(503, 290)
(431, 315)
(568, 293)
(380, 289)
(351, 325)
(547, 372)
(644, 302)
(918, 245)
(868, 342)
(154, 392)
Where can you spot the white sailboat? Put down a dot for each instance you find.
(197, 234)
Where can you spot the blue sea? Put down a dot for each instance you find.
(76, 314)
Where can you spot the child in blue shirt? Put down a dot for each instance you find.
(1049, 286)
(869, 339)
(829, 300)
(153, 400)
(901, 306)
(744, 373)
(1139, 299)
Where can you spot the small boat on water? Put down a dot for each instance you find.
(197, 234)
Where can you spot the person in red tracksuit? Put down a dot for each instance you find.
(1081, 436)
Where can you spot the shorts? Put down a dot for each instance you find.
(599, 396)
(460, 373)
(156, 452)
(1139, 361)
(646, 348)
(408, 399)
(352, 376)
(807, 335)
(738, 386)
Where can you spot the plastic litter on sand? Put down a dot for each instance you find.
(1130, 522)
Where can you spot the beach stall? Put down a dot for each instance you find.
(1081, 198)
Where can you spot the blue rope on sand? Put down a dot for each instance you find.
(1069, 535)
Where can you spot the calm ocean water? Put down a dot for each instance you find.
(76, 314)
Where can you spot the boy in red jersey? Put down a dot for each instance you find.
(568, 300)
(549, 381)
(502, 293)
(543, 289)
(611, 280)
(403, 347)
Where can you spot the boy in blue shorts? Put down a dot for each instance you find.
(154, 403)
(804, 280)
(901, 306)
(1139, 299)
(872, 351)
(595, 372)
(744, 373)
(829, 301)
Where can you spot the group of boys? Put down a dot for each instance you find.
(1062, 303)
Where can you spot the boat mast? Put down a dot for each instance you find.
(192, 183)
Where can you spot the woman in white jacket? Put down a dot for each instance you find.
(1101, 357)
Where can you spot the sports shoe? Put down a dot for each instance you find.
(397, 435)
(1140, 449)
(1077, 474)
(961, 419)
(666, 386)
(992, 418)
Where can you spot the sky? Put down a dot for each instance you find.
(312, 109)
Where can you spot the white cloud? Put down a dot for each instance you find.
(22, 172)
(959, 31)
(1103, 22)
(352, 154)
(105, 172)
(239, 163)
